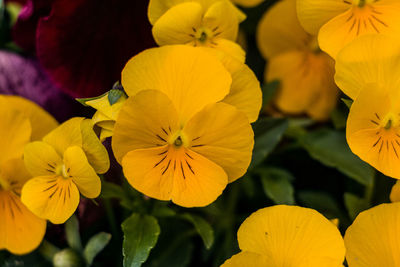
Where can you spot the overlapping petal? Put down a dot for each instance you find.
(190, 77)
(223, 135)
(368, 59)
(279, 30)
(372, 239)
(291, 236)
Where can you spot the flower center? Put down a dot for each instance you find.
(178, 142)
(389, 121)
(204, 35)
(61, 170)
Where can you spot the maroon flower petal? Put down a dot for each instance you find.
(24, 77)
(84, 44)
(24, 30)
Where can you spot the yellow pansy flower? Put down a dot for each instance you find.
(373, 238)
(338, 22)
(281, 236)
(21, 121)
(174, 138)
(367, 72)
(106, 113)
(306, 73)
(210, 23)
(65, 163)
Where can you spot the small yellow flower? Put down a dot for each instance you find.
(367, 71)
(20, 122)
(338, 22)
(210, 23)
(106, 113)
(373, 238)
(281, 236)
(173, 137)
(63, 164)
(306, 73)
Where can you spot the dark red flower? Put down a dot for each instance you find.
(84, 44)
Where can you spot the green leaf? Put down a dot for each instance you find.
(161, 209)
(348, 102)
(355, 204)
(268, 132)
(114, 95)
(203, 228)
(269, 91)
(140, 236)
(72, 233)
(95, 245)
(277, 185)
(330, 148)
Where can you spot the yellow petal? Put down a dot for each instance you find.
(248, 3)
(366, 133)
(96, 153)
(65, 135)
(13, 175)
(303, 76)
(373, 238)
(395, 193)
(368, 59)
(381, 19)
(15, 133)
(83, 175)
(177, 24)
(41, 159)
(41, 121)
(222, 20)
(104, 133)
(199, 77)
(325, 101)
(223, 135)
(158, 7)
(292, 236)
(245, 92)
(51, 197)
(279, 30)
(315, 13)
(99, 117)
(79, 132)
(166, 173)
(146, 120)
(247, 259)
(230, 48)
(102, 105)
(20, 230)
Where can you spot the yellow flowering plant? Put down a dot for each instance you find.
(177, 154)
(21, 121)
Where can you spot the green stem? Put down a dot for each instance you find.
(111, 219)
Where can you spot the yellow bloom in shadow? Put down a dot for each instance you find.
(366, 71)
(65, 163)
(106, 114)
(281, 236)
(209, 23)
(338, 22)
(306, 73)
(373, 238)
(21, 121)
(174, 138)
